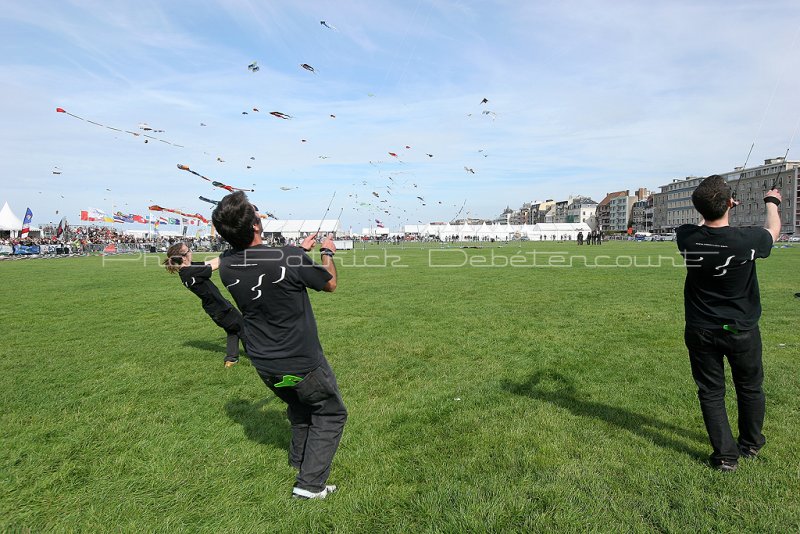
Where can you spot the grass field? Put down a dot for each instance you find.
(505, 399)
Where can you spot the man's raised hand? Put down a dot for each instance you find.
(309, 242)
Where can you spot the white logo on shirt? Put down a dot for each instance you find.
(283, 275)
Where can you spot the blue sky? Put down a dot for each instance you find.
(587, 97)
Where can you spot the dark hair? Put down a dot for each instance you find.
(711, 197)
(234, 218)
(174, 257)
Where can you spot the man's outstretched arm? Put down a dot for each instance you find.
(773, 220)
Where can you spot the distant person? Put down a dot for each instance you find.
(269, 286)
(196, 276)
(580, 238)
(722, 306)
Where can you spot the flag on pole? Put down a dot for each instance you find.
(26, 224)
(62, 227)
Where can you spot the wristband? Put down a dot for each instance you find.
(326, 252)
(772, 200)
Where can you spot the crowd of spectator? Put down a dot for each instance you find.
(92, 239)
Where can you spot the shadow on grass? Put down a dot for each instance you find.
(202, 344)
(217, 348)
(264, 426)
(559, 390)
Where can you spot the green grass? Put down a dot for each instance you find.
(481, 399)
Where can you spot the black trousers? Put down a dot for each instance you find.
(233, 324)
(317, 416)
(707, 350)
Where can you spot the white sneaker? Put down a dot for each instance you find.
(299, 493)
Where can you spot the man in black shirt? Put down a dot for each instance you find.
(269, 287)
(722, 307)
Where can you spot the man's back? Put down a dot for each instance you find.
(721, 285)
(269, 287)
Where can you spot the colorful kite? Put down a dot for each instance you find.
(135, 134)
(280, 115)
(214, 183)
(204, 199)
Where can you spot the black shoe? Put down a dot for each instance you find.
(748, 452)
(726, 466)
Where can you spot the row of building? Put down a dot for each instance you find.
(665, 210)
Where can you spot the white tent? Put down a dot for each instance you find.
(9, 221)
(293, 229)
(13, 224)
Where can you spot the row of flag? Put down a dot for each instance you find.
(98, 215)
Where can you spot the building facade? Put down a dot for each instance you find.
(750, 185)
(673, 206)
(642, 215)
(580, 209)
(619, 213)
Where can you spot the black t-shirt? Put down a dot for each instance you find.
(269, 287)
(197, 277)
(721, 285)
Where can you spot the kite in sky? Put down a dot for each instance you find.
(492, 113)
(135, 134)
(204, 199)
(333, 116)
(376, 194)
(146, 127)
(429, 155)
(308, 67)
(253, 67)
(280, 115)
(214, 183)
(56, 170)
(393, 154)
(469, 170)
(485, 101)
(284, 188)
(328, 25)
